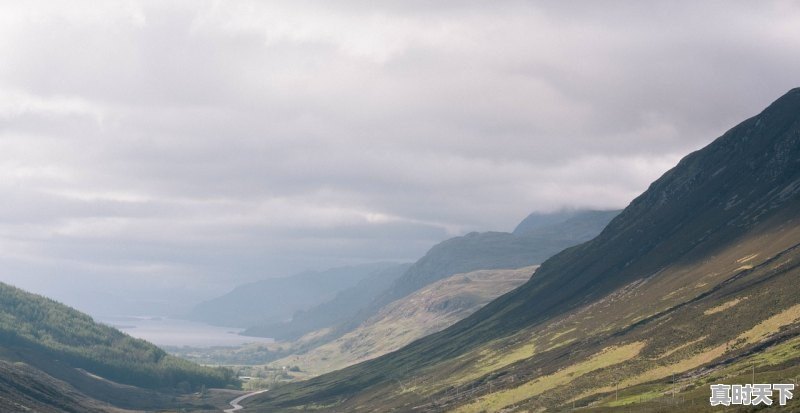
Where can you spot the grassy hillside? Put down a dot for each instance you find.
(23, 388)
(32, 322)
(54, 358)
(698, 274)
(424, 312)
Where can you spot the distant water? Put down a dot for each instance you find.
(163, 331)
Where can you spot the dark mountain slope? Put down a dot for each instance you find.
(496, 250)
(471, 252)
(275, 300)
(709, 199)
(23, 388)
(488, 251)
(541, 219)
(341, 308)
(745, 183)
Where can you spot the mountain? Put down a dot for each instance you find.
(491, 250)
(426, 311)
(344, 306)
(54, 358)
(697, 279)
(275, 300)
(474, 251)
(543, 219)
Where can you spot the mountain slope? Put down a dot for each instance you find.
(540, 219)
(54, 347)
(488, 250)
(277, 299)
(426, 311)
(23, 388)
(345, 305)
(495, 250)
(471, 252)
(722, 223)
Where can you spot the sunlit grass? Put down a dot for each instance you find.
(724, 306)
(772, 324)
(608, 357)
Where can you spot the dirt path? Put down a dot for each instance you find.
(235, 402)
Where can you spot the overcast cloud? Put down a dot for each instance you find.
(153, 145)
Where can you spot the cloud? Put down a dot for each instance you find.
(210, 142)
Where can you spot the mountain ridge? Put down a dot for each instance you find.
(491, 250)
(275, 300)
(340, 308)
(745, 183)
(470, 252)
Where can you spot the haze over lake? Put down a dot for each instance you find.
(164, 331)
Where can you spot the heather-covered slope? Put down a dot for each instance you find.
(23, 388)
(642, 300)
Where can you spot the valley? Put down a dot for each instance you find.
(692, 284)
(399, 206)
(683, 282)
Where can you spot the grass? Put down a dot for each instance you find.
(776, 364)
(781, 353)
(498, 400)
(561, 333)
(753, 335)
(635, 398)
(772, 325)
(660, 372)
(726, 314)
(724, 306)
(746, 258)
(681, 347)
(495, 359)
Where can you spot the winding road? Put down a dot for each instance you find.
(235, 402)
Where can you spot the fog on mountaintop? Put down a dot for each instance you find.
(154, 154)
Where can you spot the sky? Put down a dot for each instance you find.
(153, 153)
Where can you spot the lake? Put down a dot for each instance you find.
(163, 331)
